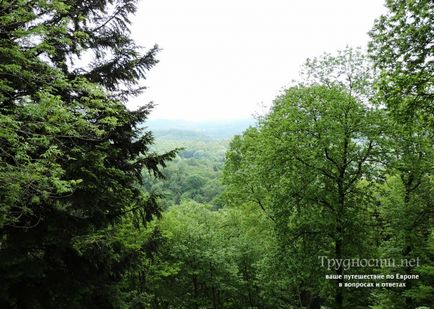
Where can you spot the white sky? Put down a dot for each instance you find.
(224, 59)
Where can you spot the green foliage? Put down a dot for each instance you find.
(348, 69)
(407, 233)
(402, 49)
(303, 166)
(194, 174)
(71, 155)
(205, 258)
(324, 173)
(340, 167)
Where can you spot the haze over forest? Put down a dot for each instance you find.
(323, 200)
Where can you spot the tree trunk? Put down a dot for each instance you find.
(339, 298)
(339, 282)
(195, 293)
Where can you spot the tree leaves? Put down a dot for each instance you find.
(71, 154)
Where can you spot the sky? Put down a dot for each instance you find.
(228, 59)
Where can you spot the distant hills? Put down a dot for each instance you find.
(197, 130)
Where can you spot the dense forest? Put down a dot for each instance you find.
(326, 201)
(195, 174)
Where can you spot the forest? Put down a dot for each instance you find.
(326, 201)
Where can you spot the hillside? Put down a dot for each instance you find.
(195, 174)
(182, 129)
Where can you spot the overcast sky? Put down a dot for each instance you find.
(224, 59)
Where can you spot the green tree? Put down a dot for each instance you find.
(310, 165)
(193, 175)
(70, 152)
(193, 266)
(402, 49)
(310, 171)
(348, 69)
(203, 258)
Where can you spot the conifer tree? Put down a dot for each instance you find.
(71, 153)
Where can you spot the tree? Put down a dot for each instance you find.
(348, 69)
(313, 163)
(205, 258)
(193, 175)
(310, 165)
(402, 49)
(71, 154)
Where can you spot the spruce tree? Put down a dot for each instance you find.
(71, 153)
